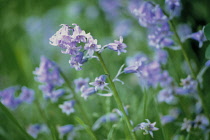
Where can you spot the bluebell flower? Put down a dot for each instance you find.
(27, 95)
(77, 61)
(67, 107)
(201, 122)
(80, 82)
(48, 74)
(165, 79)
(184, 30)
(189, 84)
(87, 91)
(149, 14)
(166, 95)
(187, 125)
(91, 46)
(167, 119)
(79, 35)
(136, 68)
(160, 36)
(99, 82)
(63, 130)
(35, 129)
(110, 117)
(118, 46)
(174, 7)
(161, 56)
(198, 36)
(148, 127)
(7, 97)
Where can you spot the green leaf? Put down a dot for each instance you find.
(207, 31)
(207, 54)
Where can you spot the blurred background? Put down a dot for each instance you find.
(27, 25)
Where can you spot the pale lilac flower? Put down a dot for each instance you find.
(87, 91)
(60, 36)
(80, 82)
(7, 97)
(160, 36)
(189, 84)
(149, 14)
(118, 46)
(201, 122)
(136, 68)
(63, 130)
(165, 79)
(99, 82)
(198, 36)
(56, 94)
(110, 117)
(79, 35)
(49, 75)
(166, 95)
(148, 127)
(91, 46)
(173, 6)
(77, 61)
(67, 107)
(184, 30)
(34, 130)
(161, 56)
(167, 119)
(27, 95)
(187, 125)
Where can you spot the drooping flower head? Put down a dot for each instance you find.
(87, 91)
(27, 95)
(63, 130)
(80, 82)
(198, 36)
(118, 46)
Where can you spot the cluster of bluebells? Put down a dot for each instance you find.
(82, 85)
(81, 45)
(8, 96)
(148, 127)
(151, 16)
(200, 122)
(49, 75)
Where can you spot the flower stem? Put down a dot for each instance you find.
(79, 105)
(117, 97)
(53, 130)
(13, 119)
(201, 95)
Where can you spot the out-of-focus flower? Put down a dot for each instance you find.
(99, 82)
(27, 95)
(35, 129)
(110, 117)
(167, 119)
(201, 122)
(174, 7)
(80, 82)
(161, 56)
(67, 107)
(118, 46)
(148, 127)
(184, 30)
(87, 91)
(166, 95)
(7, 97)
(198, 36)
(189, 84)
(149, 14)
(187, 125)
(160, 36)
(48, 74)
(63, 130)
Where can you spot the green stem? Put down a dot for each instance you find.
(53, 130)
(13, 119)
(79, 105)
(201, 95)
(117, 97)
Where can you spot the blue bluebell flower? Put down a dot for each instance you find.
(80, 82)
(67, 107)
(118, 46)
(27, 95)
(99, 82)
(63, 130)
